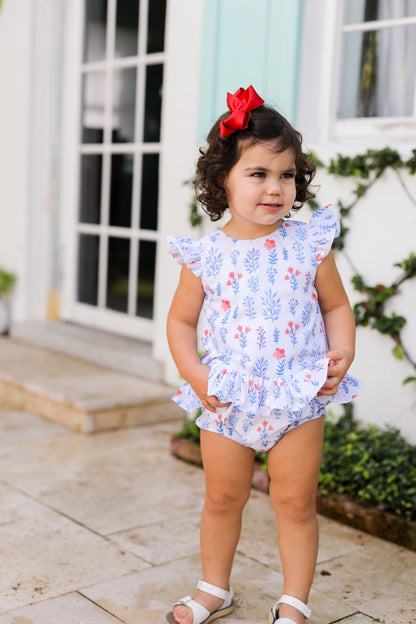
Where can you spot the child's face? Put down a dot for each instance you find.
(260, 190)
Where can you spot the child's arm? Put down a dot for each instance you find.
(339, 323)
(182, 336)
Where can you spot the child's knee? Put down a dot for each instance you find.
(301, 509)
(223, 502)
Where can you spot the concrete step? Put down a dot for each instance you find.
(80, 395)
(125, 354)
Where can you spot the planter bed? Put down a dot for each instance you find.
(336, 506)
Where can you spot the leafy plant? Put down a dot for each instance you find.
(7, 282)
(374, 466)
(370, 311)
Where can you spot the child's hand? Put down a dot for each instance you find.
(340, 361)
(199, 384)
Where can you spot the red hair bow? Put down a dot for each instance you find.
(240, 104)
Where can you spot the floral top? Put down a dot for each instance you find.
(263, 334)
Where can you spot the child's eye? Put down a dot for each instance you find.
(289, 175)
(258, 174)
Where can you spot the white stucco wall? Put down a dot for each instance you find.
(30, 78)
(15, 81)
(382, 232)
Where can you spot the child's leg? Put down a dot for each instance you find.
(294, 464)
(228, 470)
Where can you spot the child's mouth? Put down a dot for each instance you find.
(272, 207)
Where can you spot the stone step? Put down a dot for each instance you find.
(80, 395)
(125, 354)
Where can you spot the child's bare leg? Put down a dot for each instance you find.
(294, 469)
(228, 474)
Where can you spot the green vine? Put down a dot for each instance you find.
(368, 167)
(371, 311)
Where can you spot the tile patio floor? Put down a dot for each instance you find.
(103, 528)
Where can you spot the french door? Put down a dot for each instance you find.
(119, 149)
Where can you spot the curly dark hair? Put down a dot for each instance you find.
(221, 154)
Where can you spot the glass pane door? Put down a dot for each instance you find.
(119, 153)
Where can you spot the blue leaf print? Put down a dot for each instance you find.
(219, 289)
(280, 368)
(283, 231)
(299, 250)
(253, 283)
(308, 279)
(249, 306)
(306, 313)
(271, 274)
(214, 261)
(261, 337)
(285, 253)
(291, 331)
(273, 256)
(252, 260)
(302, 358)
(302, 232)
(223, 334)
(271, 305)
(260, 367)
(293, 303)
(226, 317)
(276, 335)
(244, 360)
(235, 313)
(234, 256)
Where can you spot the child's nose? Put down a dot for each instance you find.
(274, 187)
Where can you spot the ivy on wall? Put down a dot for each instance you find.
(368, 168)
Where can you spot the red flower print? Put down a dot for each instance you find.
(225, 305)
(270, 244)
(240, 328)
(297, 272)
(231, 275)
(279, 354)
(319, 258)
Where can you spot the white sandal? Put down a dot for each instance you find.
(293, 602)
(201, 615)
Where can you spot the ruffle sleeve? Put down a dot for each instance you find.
(324, 226)
(186, 251)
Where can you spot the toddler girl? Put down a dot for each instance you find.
(278, 339)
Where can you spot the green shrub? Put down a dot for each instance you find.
(374, 466)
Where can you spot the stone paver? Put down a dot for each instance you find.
(103, 529)
(80, 395)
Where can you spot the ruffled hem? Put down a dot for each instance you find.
(252, 394)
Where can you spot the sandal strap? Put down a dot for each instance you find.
(292, 602)
(200, 613)
(218, 592)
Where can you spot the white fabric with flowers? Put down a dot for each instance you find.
(263, 334)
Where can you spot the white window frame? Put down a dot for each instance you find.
(320, 74)
(99, 316)
(397, 128)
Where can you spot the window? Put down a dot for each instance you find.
(378, 60)
(119, 154)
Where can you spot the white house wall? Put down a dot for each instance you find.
(30, 40)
